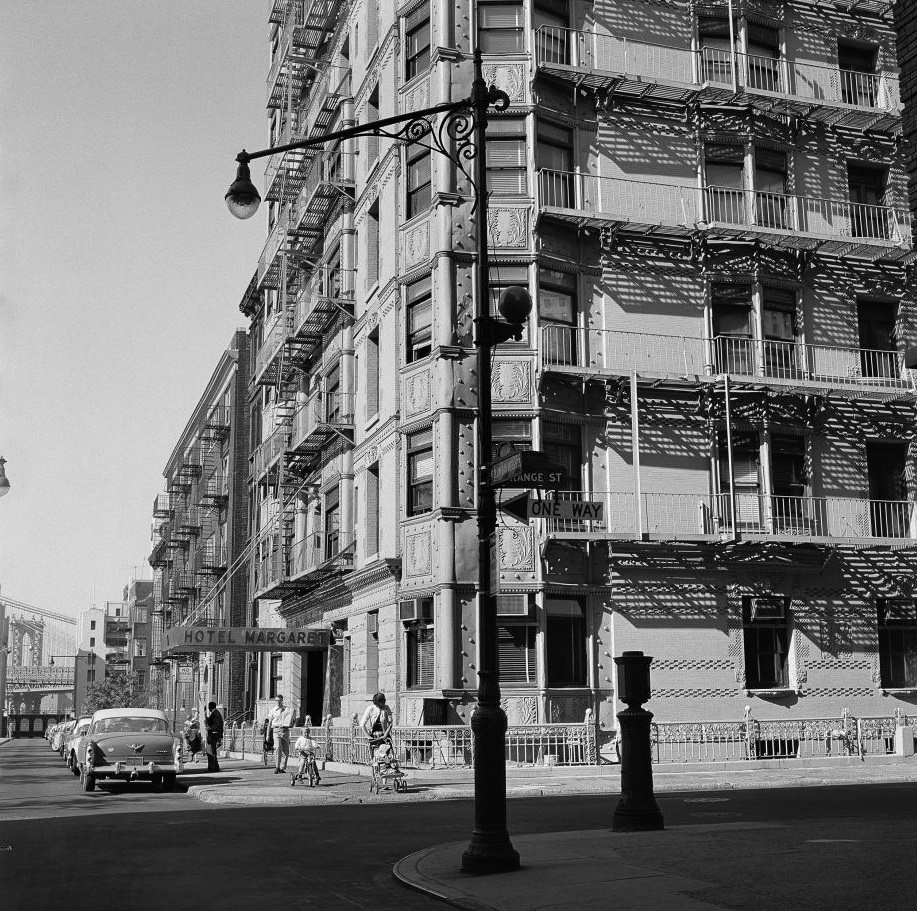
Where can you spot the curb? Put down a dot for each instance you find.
(407, 872)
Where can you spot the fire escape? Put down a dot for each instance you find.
(715, 384)
(313, 191)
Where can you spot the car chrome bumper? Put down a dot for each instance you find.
(130, 770)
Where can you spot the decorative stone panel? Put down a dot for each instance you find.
(416, 392)
(568, 709)
(418, 551)
(411, 712)
(416, 245)
(517, 554)
(417, 96)
(520, 709)
(510, 77)
(512, 382)
(509, 227)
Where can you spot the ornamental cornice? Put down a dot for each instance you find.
(380, 573)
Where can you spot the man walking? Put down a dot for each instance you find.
(280, 721)
(213, 721)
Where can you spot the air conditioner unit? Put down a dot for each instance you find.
(372, 622)
(768, 608)
(416, 609)
(513, 605)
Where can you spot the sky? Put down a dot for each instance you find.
(121, 270)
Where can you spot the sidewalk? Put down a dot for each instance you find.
(248, 783)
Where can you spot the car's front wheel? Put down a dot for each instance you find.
(74, 765)
(87, 781)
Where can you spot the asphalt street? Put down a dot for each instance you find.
(129, 847)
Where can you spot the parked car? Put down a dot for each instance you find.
(130, 744)
(57, 741)
(74, 741)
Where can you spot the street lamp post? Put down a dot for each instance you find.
(461, 137)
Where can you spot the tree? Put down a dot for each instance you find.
(120, 691)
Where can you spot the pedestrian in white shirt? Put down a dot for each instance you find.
(279, 723)
(377, 719)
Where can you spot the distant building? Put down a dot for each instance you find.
(138, 599)
(200, 528)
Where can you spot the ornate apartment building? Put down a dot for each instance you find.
(711, 218)
(199, 557)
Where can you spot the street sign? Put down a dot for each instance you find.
(527, 468)
(527, 507)
(244, 639)
(186, 673)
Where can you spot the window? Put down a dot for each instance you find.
(371, 116)
(507, 160)
(417, 42)
(276, 676)
(550, 19)
(746, 473)
(771, 200)
(563, 446)
(868, 216)
(500, 28)
(372, 510)
(371, 233)
(791, 509)
(716, 56)
(897, 642)
(419, 319)
(92, 624)
(878, 354)
(557, 316)
(516, 645)
(371, 397)
(141, 679)
(734, 350)
(372, 651)
(420, 646)
(92, 640)
(509, 435)
(345, 664)
(766, 638)
(859, 82)
(888, 492)
(420, 472)
(778, 323)
(503, 277)
(565, 634)
(554, 158)
(332, 523)
(333, 397)
(724, 169)
(763, 57)
(419, 181)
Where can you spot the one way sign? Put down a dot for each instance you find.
(527, 507)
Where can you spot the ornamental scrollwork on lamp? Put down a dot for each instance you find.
(452, 136)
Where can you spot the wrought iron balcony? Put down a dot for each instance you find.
(211, 559)
(188, 523)
(215, 491)
(709, 517)
(328, 293)
(860, 371)
(217, 422)
(160, 555)
(321, 553)
(269, 260)
(162, 506)
(640, 69)
(274, 337)
(832, 227)
(323, 416)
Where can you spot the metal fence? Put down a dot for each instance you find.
(443, 747)
(452, 746)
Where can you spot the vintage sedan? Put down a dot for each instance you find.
(75, 740)
(130, 745)
(57, 739)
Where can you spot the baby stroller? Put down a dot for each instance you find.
(386, 772)
(193, 741)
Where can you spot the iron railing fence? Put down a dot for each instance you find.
(643, 202)
(771, 76)
(623, 353)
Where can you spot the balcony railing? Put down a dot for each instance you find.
(639, 67)
(607, 351)
(162, 506)
(272, 343)
(692, 517)
(321, 416)
(799, 220)
(267, 261)
(329, 550)
(267, 454)
(328, 291)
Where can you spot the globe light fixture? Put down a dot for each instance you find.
(242, 198)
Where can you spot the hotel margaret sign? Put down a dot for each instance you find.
(244, 639)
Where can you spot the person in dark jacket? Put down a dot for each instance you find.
(213, 721)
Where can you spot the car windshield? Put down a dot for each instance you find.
(129, 724)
